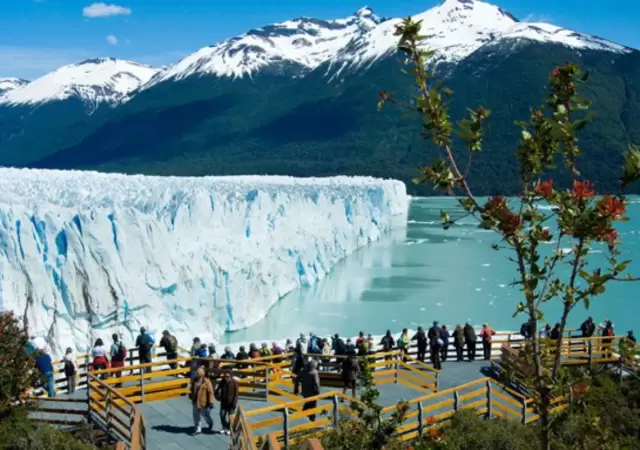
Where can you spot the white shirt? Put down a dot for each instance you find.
(100, 351)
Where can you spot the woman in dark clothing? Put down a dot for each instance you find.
(227, 394)
(350, 370)
(421, 339)
(458, 342)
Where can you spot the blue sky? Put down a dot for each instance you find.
(37, 36)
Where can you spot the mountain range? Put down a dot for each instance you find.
(299, 98)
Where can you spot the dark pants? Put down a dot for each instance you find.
(310, 405)
(459, 354)
(486, 348)
(172, 357)
(471, 351)
(145, 358)
(422, 351)
(443, 352)
(117, 374)
(296, 384)
(71, 383)
(350, 384)
(100, 366)
(225, 416)
(435, 358)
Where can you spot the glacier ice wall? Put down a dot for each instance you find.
(85, 254)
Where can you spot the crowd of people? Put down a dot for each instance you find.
(306, 351)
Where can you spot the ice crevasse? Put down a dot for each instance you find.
(86, 254)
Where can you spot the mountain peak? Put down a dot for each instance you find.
(365, 11)
(94, 81)
(10, 83)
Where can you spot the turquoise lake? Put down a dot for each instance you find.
(424, 273)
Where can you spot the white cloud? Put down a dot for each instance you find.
(105, 10)
(112, 40)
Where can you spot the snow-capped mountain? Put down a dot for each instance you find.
(94, 81)
(300, 44)
(9, 84)
(456, 28)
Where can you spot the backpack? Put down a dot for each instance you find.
(121, 355)
(69, 368)
(173, 344)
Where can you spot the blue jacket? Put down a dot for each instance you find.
(44, 363)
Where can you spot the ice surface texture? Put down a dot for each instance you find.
(84, 254)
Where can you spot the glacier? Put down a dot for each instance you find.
(86, 254)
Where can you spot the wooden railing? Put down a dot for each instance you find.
(115, 414)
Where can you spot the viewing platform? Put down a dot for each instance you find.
(152, 410)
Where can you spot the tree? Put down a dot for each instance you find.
(366, 428)
(17, 371)
(578, 218)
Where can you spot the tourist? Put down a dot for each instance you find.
(487, 336)
(370, 343)
(227, 394)
(435, 343)
(338, 346)
(403, 342)
(360, 339)
(310, 382)
(70, 370)
(228, 354)
(349, 347)
(242, 354)
(387, 343)
(607, 333)
(289, 346)
(211, 351)
(470, 339)
(588, 328)
(100, 360)
(198, 350)
(458, 342)
(545, 333)
(363, 348)
(631, 338)
(202, 400)
(526, 330)
(170, 344)
(421, 339)
(444, 335)
(554, 335)
(45, 366)
(299, 362)
(313, 345)
(276, 349)
(326, 351)
(301, 340)
(264, 350)
(350, 370)
(118, 353)
(254, 353)
(144, 342)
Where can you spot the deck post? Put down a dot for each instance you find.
(397, 368)
(488, 384)
(336, 412)
(590, 350)
(524, 411)
(456, 401)
(420, 419)
(107, 405)
(285, 427)
(266, 382)
(141, 385)
(437, 381)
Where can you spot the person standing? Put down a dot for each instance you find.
(99, 355)
(118, 354)
(350, 370)
(202, 401)
(470, 339)
(487, 336)
(70, 370)
(435, 344)
(144, 342)
(310, 381)
(387, 343)
(170, 344)
(588, 328)
(297, 367)
(404, 343)
(458, 342)
(227, 394)
(421, 338)
(45, 366)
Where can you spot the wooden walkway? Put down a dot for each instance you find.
(169, 421)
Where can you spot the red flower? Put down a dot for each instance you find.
(544, 189)
(583, 190)
(433, 433)
(545, 235)
(431, 420)
(556, 72)
(607, 234)
(495, 203)
(611, 207)
(509, 223)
